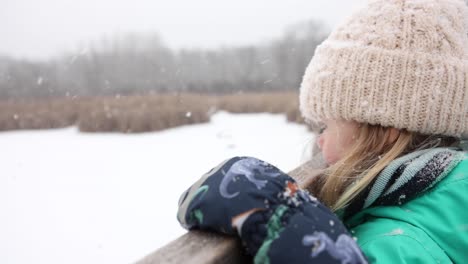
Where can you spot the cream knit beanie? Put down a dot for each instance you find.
(396, 63)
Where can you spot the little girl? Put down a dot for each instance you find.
(389, 88)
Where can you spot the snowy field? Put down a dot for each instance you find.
(68, 197)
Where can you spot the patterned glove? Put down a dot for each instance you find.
(277, 221)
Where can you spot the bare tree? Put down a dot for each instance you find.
(141, 63)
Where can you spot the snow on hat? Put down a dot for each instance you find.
(397, 63)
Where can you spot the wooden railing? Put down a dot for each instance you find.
(209, 248)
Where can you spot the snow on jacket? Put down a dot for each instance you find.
(412, 213)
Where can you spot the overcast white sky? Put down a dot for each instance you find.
(39, 29)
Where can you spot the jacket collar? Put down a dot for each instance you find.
(405, 178)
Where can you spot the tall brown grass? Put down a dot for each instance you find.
(133, 114)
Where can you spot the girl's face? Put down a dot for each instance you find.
(336, 139)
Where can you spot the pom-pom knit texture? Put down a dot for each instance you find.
(395, 63)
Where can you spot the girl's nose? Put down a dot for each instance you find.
(320, 141)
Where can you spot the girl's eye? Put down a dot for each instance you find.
(322, 129)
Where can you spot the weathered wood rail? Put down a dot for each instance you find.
(210, 248)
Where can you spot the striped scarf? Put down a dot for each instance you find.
(405, 178)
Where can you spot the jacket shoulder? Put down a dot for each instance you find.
(433, 224)
(386, 240)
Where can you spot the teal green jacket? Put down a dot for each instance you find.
(432, 228)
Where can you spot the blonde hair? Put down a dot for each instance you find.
(372, 151)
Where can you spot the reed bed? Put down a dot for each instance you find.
(138, 113)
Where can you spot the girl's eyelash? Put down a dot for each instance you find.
(322, 129)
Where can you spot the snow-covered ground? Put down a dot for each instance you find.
(69, 197)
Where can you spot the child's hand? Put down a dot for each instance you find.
(277, 221)
(224, 197)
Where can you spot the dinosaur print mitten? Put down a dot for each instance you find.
(276, 220)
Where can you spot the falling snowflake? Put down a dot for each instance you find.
(395, 232)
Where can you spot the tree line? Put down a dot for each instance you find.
(140, 64)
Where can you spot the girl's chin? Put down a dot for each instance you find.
(330, 160)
